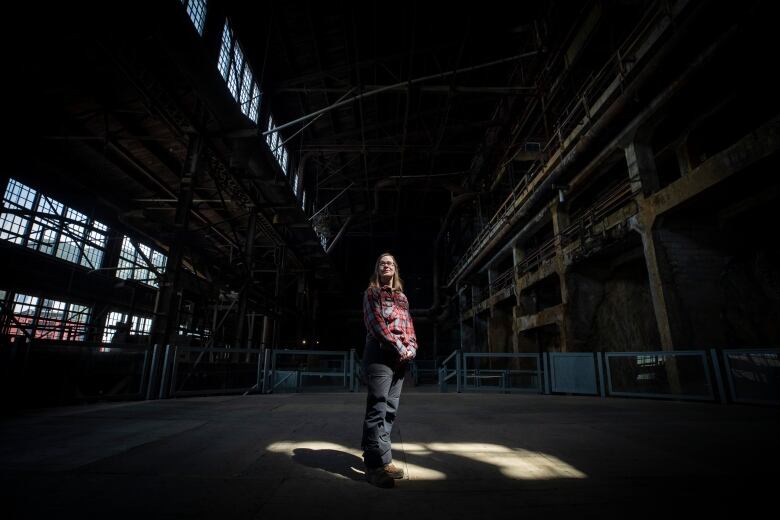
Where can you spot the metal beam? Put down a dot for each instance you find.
(409, 82)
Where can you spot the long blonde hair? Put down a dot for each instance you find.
(396, 283)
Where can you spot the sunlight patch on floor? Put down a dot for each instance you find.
(514, 463)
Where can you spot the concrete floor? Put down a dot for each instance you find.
(467, 456)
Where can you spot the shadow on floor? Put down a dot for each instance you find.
(332, 461)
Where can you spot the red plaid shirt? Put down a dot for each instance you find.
(386, 315)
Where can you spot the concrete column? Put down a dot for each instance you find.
(490, 322)
(518, 255)
(642, 174)
(492, 275)
(668, 313)
(560, 216)
(665, 302)
(683, 157)
(560, 221)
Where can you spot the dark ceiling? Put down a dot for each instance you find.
(425, 99)
(397, 111)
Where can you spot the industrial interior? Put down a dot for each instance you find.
(580, 197)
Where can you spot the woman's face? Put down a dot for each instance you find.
(386, 268)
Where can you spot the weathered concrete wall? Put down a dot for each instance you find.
(751, 295)
(467, 341)
(697, 258)
(480, 343)
(525, 342)
(624, 319)
(500, 329)
(586, 291)
(611, 310)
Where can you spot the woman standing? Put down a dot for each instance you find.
(390, 344)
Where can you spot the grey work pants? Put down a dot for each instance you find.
(384, 378)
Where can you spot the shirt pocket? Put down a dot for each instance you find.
(387, 308)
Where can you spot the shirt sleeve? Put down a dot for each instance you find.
(412, 338)
(375, 322)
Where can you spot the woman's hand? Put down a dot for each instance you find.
(408, 355)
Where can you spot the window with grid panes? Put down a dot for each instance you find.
(254, 104)
(225, 51)
(246, 90)
(50, 320)
(45, 230)
(139, 325)
(46, 318)
(134, 262)
(234, 76)
(196, 9)
(15, 222)
(25, 309)
(75, 324)
(238, 74)
(48, 226)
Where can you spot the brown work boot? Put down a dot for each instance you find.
(379, 477)
(394, 471)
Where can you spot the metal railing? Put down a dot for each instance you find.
(579, 227)
(502, 280)
(134, 372)
(753, 375)
(424, 371)
(507, 378)
(446, 373)
(51, 372)
(536, 256)
(208, 371)
(294, 370)
(660, 374)
(582, 223)
(576, 373)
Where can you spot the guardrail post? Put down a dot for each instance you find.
(272, 375)
(442, 382)
(152, 372)
(459, 371)
(600, 365)
(164, 375)
(144, 375)
(352, 370)
(266, 354)
(259, 375)
(718, 379)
